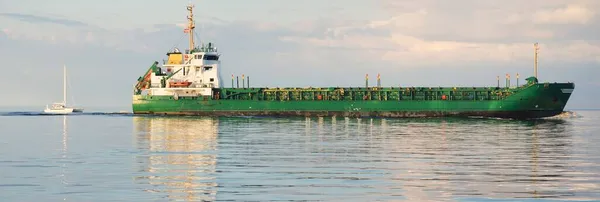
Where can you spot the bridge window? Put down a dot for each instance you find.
(212, 79)
(211, 57)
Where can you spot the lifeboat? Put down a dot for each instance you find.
(179, 84)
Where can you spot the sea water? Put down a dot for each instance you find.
(121, 157)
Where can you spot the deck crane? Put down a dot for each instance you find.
(144, 81)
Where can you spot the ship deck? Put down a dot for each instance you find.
(363, 93)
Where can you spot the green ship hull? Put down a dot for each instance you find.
(534, 100)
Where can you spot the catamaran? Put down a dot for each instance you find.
(61, 107)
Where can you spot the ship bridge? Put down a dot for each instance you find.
(204, 55)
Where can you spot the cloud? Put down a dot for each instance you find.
(42, 19)
(439, 32)
(594, 83)
(569, 14)
(4, 32)
(417, 33)
(487, 21)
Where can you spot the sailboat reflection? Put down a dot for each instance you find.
(181, 158)
(64, 154)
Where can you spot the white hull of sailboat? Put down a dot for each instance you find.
(59, 111)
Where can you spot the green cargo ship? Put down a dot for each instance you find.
(189, 83)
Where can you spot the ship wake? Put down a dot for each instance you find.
(565, 115)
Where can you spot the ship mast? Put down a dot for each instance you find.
(191, 25)
(536, 48)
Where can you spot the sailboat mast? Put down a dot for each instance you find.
(65, 84)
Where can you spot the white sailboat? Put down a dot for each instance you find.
(61, 107)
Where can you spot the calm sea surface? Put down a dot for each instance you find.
(101, 157)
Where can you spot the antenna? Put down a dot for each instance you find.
(536, 48)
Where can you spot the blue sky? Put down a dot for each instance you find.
(107, 45)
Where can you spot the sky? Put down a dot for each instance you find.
(107, 45)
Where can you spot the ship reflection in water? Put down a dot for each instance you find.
(436, 159)
(64, 157)
(180, 157)
(364, 159)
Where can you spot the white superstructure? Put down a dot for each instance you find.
(191, 73)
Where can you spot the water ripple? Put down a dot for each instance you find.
(106, 158)
(373, 159)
